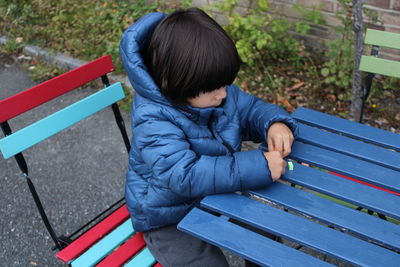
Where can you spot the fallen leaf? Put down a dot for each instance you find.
(331, 97)
(244, 85)
(294, 94)
(294, 87)
(288, 106)
(19, 40)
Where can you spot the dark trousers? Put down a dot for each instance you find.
(173, 248)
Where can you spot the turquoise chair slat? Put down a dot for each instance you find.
(56, 122)
(102, 248)
(381, 38)
(144, 259)
(380, 66)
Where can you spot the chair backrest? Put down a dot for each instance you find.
(44, 92)
(13, 144)
(372, 63)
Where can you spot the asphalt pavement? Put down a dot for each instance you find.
(77, 172)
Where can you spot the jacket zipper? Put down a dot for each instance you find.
(216, 136)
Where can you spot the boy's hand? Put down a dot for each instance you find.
(276, 164)
(280, 138)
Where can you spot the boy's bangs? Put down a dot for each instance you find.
(220, 67)
(214, 63)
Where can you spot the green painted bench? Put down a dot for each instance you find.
(377, 65)
(372, 64)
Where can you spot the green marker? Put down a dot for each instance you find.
(290, 165)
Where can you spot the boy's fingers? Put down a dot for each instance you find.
(280, 147)
(287, 147)
(270, 145)
(283, 166)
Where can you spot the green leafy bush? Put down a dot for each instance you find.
(259, 37)
(266, 44)
(86, 29)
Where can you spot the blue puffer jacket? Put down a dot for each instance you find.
(181, 155)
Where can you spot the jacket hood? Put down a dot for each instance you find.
(134, 39)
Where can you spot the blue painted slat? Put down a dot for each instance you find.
(143, 259)
(347, 190)
(40, 130)
(324, 210)
(346, 165)
(300, 230)
(107, 244)
(241, 241)
(349, 128)
(349, 146)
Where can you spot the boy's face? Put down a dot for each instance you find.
(209, 99)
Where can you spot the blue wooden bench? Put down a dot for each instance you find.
(239, 222)
(110, 240)
(325, 210)
(316, 208)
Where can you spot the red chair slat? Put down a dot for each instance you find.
(364, 183)
(157, 265)
(44, 92)
(124, 252)
(86, 240)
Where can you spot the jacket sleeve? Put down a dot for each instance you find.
(165, 150)
(257, 116)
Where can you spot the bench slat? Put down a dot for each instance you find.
(243, 242)
(346, 165)
(305, 232)
(85, 241)
(346, 190)
(381, 38)
(107, 244)
(349, 128)
(349, 146)
(380, 66)
(125, 252)
(44, 92)
(42, 129)
(364, 183)
(332, 213)
(144, 259)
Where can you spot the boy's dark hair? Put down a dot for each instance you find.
(189, 54)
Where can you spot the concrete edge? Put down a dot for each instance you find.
(61, 61)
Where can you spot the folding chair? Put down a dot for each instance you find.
(109, 239)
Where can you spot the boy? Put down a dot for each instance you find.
(188, 122)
